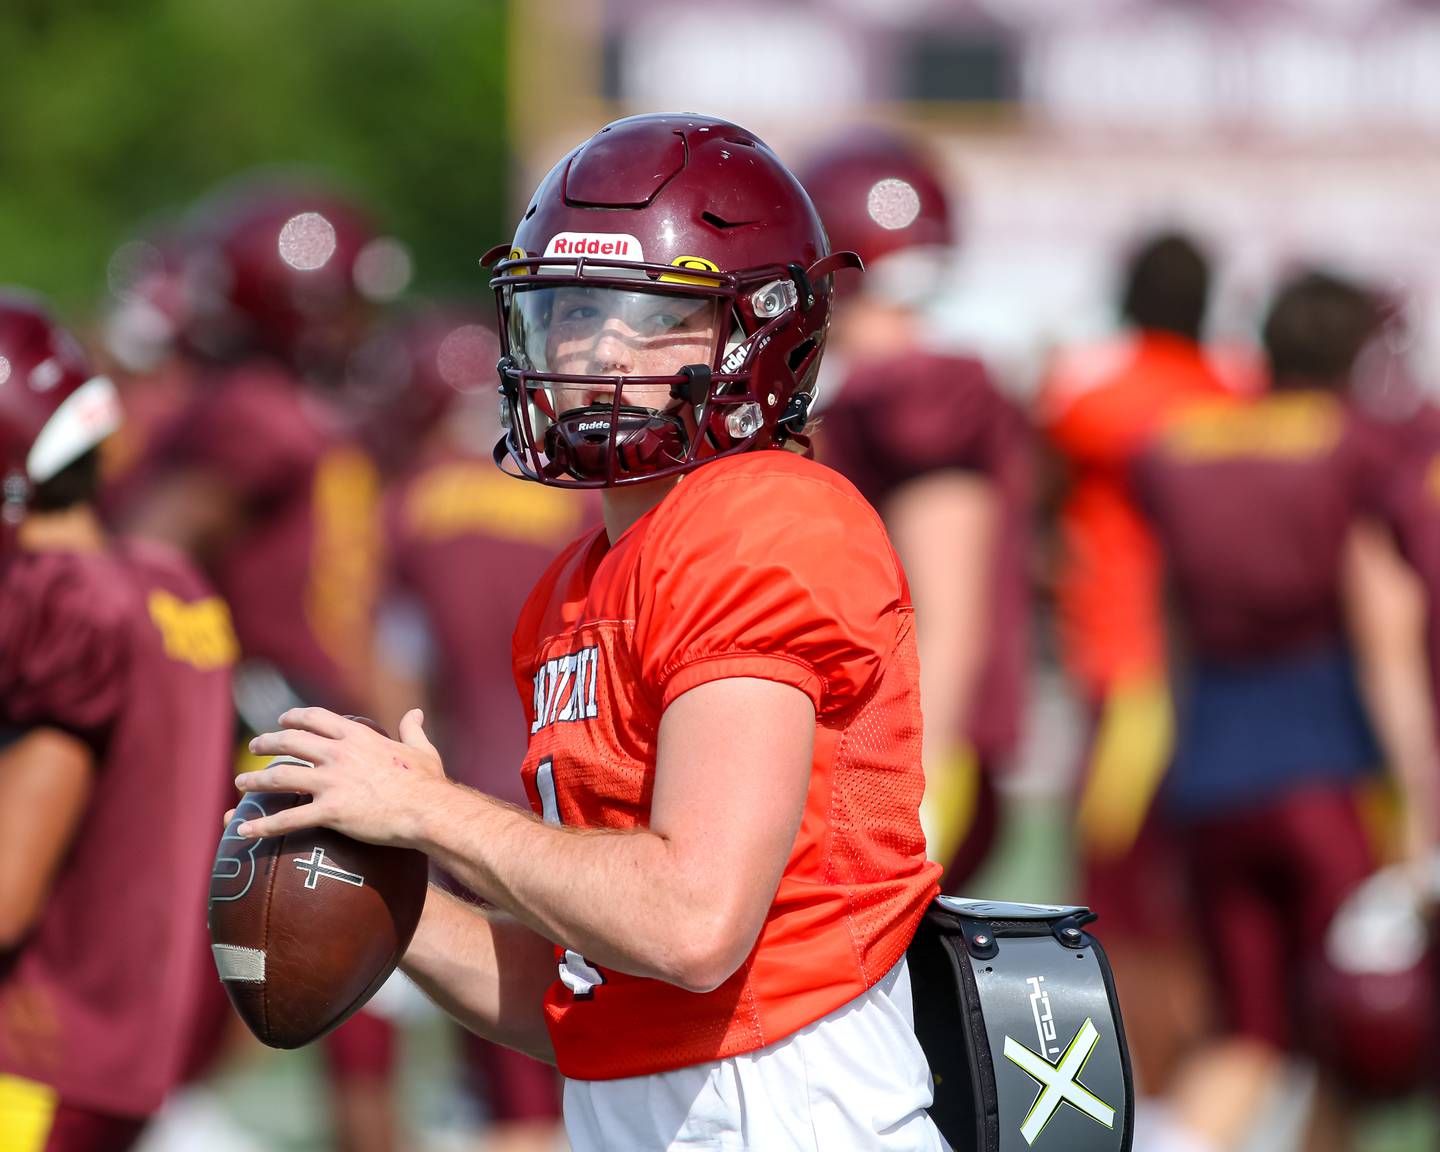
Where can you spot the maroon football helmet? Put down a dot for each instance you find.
(1372, 1000)
(53, 408)
(879, 194)
(664, 302)
(407, 378)
(289, 269)
(151, 299)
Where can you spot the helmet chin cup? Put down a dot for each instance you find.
(640, 441)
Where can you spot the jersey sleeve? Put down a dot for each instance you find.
(64, 646)
(1406, 497)
(787, 578)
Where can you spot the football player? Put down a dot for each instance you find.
(260, 480)
(145, 314)
(424, 389)
(944, 457)
(1303, 643)
(115, 716)
(1099, 408)
(703, 920)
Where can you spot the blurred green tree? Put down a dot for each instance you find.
(119, 113)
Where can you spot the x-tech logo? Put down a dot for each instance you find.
(316, 867)
(1059, 1083)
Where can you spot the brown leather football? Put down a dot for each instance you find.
(306, 927)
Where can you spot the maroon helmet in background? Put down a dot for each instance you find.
(150, 300)
(662, 220)
(53, 408)
(879, 194)
(290, 269)
(407, 378)
(1374, 1007)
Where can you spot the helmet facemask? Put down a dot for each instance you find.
(616, 373)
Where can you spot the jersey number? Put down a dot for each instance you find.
(576, 973)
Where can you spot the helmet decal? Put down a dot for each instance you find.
(621, 246)
(80, 422)
(697, 263)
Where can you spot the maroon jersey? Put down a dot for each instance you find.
(302, 575)
(1252, 503)
(132, 652)
(899, 420)
(468, 543)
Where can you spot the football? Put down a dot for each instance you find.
(305, 927)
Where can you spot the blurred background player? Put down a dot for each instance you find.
(464, 546)
(1301, 633)
(115, 707)
(258, 478)
(1100, 407)
(944, 458)
(146, 311)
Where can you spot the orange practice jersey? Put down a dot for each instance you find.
(1101, 407)
(762, 565)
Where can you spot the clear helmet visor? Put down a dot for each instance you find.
(580, 330)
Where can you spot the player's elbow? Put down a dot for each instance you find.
(702, 969)
(21, 897)
(17, 917)
(710, 950)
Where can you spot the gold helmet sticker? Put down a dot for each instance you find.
(518, 254)
(696, 262)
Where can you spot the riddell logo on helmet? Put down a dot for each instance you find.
(618, 245)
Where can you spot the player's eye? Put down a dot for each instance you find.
(661, 322)
(666, 319)
(578, 313)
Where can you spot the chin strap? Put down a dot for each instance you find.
(796, 415)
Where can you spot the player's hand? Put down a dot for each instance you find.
(361, 783)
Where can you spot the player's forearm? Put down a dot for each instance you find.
(1386, 612)
(624, 900)
(45, 783)
(484, 969)
(945, 527)
(1398, 699)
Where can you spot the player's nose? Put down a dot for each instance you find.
(614, 353)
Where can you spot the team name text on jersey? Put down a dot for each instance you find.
(565, 688)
